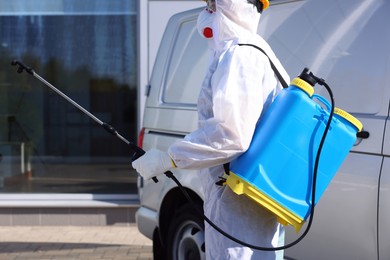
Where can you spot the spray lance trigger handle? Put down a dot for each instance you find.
(138, 152)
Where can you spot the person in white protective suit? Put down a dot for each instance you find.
(239, 85)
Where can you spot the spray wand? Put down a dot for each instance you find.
(137, 151)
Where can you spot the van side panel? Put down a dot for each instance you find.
(345, 219)
(384, 199)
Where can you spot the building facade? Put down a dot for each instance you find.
(57, 166)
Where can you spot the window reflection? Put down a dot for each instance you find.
(46, 144)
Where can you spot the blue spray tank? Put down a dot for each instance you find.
(277, 169)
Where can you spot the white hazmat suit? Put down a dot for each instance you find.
(239, 85)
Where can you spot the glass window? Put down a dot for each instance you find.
(87, 49)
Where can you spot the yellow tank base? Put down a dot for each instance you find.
(284, 216)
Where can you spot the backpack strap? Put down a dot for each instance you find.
(280, 78)
(226, 166)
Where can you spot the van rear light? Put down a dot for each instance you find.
(141, 137)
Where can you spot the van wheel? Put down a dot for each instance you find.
(159, 251)
(186, 239)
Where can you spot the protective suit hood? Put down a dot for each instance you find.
(234, 19)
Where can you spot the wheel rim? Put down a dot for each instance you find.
(188, 242)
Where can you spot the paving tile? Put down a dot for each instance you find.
(63, 242)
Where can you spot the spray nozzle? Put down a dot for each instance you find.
(22, 66)
(310, 78)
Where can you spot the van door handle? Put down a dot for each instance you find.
(363, 134)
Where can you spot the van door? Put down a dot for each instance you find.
(340, 42)
(176, 78)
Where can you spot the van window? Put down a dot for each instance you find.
(186, 67)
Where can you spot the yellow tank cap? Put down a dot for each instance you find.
(303, 85)
(265, 4)
(347, 116)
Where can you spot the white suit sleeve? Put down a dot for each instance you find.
(238, 89)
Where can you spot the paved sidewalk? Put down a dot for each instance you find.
(73, 242)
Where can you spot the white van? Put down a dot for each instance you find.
(346, 43)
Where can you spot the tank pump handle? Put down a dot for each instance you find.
(310, 78)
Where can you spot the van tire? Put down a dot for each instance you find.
(159, 251)
(186, 240)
